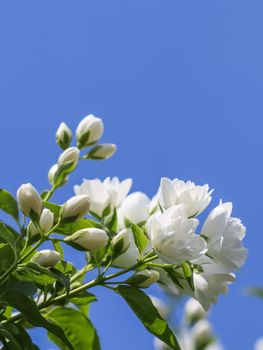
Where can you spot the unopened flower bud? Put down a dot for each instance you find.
(259, 344)
(45, 223)
(144, 279)
(89, 131)
(47, 258)
(121, 242)
(194, 312)
(91, 238)
(202, 334)
(63, 136)
(52, 176)
(101, 152)
(29, 201)
(76, 207)
(51, 173)
(70, 155)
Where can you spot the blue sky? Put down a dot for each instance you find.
(179, 85)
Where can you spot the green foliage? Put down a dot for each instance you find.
(31, 314)
(7, 257)
(144, 309)
(83, 300)
(69, 228)
(38, 285)
(8, 204)
(77, 327)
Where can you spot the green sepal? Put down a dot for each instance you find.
(188, 274)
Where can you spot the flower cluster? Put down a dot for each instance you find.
(141, 240)
(198, 262)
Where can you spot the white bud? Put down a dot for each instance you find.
(144, 279)
(76, 207)
(259, 344)
(103, 151)
(29, 200)
(121, 242)
(91, 238)
(89, 131)
(70, 155)
(63, 136)
(47, 258)
(202, 331)
(46, 222)
(194, 311)
(51, 175)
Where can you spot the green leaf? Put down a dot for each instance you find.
(7, 237)
(40, 279)
(62, 278)
(69, 228)
(14, 344)
(7, 257)
(52, 273)
(31, 314)
(9, 204)
(144, 309)
(83, 300)
(140, 238)
(77, 327)
(58, 248)
(27, 288)
(25, 339)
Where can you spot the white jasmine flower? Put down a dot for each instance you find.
(210, 281)
(195, 198)
(173, 236)
(107, 194)
(224, 235)
(134, 209)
